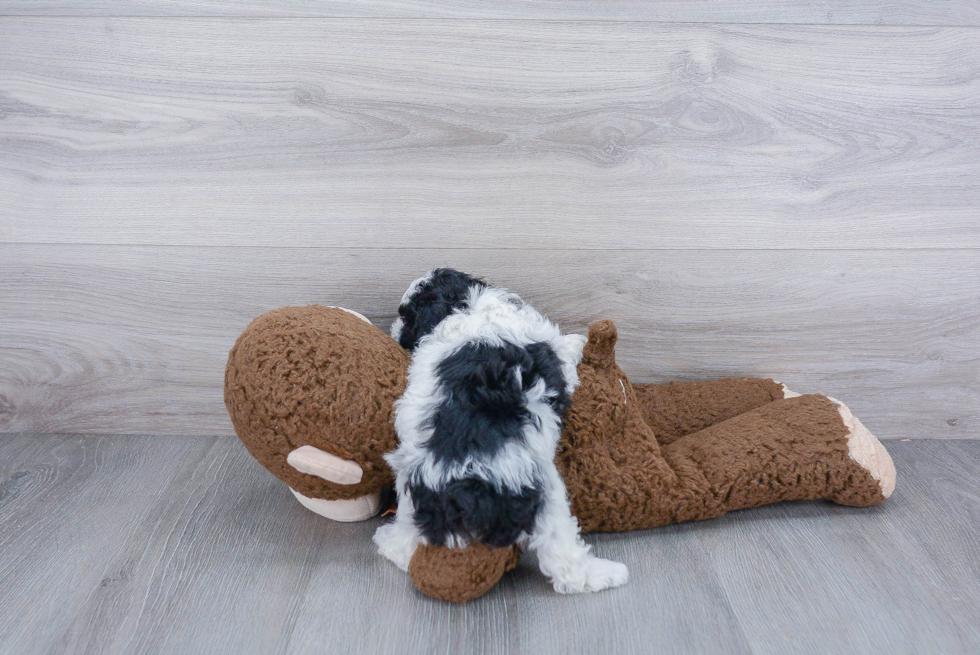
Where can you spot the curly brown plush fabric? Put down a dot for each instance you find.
(459, 575)
(680, 408)
(316, 376)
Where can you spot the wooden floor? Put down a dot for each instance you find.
(138, 544)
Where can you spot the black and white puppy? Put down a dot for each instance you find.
(478, 426)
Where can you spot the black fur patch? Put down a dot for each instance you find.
(485, 405)
(435, 299)
(475, 510)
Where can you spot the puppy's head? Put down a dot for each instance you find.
(428, 300)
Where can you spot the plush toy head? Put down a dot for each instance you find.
(322, 377)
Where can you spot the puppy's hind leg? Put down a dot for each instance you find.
(398, 539)
(562, 555)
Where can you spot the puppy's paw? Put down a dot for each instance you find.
(604, 574)
(396, 543)
(594, 574)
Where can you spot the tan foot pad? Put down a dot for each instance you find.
(786, 392)
(865, 449)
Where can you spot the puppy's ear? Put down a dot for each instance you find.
(421, 315)
(441, 293)
(407, 335)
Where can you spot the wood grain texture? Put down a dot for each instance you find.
(872, 12)
(848, 612)
(66, 506)
(137, 544)
(450, 133)
(124, 339)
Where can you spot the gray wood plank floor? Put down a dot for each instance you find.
(132, 544)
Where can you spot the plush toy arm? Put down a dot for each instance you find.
(680, 408)
(460, 574)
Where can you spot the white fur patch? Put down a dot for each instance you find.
(396, 328)
(414, 286)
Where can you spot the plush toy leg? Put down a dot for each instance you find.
(680, 408)
(794, 449)
(800, 448)
(620, 478)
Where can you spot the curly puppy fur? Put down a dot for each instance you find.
(478, 425)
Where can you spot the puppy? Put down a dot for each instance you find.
(478, 425)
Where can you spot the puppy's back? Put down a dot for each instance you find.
(492, 408)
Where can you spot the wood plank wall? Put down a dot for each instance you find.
(783, 189)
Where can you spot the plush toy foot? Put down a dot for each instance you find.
(460, 574)
(865, 449)
(347, 511)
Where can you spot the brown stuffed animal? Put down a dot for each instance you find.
(311, 393)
